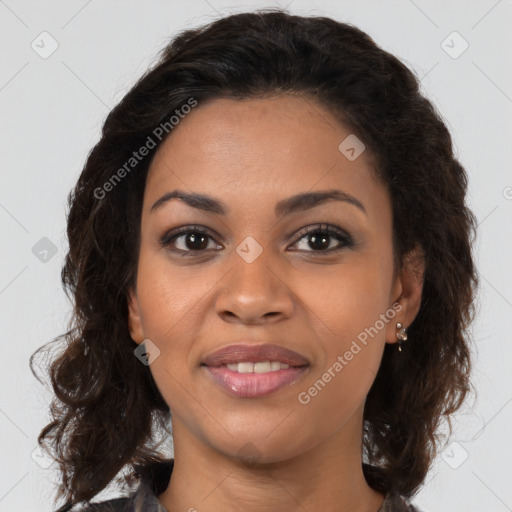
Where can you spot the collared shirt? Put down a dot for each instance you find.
(145, 497)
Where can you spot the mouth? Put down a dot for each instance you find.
(245, 353)
(253, 371)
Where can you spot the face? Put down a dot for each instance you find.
(250, 268)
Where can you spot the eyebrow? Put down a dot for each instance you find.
(293, 204)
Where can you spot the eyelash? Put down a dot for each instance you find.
(326, 229)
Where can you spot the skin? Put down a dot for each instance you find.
(251, 154)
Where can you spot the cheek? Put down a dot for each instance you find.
(346, 300)
(170, 306)
(168, 302)
(353, 338)
(352, 305)
(168, 296)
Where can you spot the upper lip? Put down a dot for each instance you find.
(243, 352)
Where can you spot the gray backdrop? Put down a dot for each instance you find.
(66, 64)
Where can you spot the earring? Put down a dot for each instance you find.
(401, 334)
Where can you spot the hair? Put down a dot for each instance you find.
(107, 409)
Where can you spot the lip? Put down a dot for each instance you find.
(242, 352)
(254, 385)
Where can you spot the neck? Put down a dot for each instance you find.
(328, 477)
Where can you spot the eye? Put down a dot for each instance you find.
(193, 240)
(321, 237)
(189, 240)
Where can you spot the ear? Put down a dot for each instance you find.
(407, 290)
(134, 319)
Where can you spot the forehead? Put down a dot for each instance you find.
(258, 149)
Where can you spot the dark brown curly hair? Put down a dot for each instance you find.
(107, 411)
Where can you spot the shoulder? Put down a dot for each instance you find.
(154, 479)
(113, 505)
(143, 499)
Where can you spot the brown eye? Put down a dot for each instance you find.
(320, 239)
(188, 241)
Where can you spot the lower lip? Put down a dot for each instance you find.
(254, 385)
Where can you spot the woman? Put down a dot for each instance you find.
(269, 247)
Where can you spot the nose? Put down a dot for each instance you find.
(254, 293)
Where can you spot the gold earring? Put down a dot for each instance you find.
(401, 334)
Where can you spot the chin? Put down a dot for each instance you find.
(261, 448)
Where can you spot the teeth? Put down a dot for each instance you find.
(260, 367)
